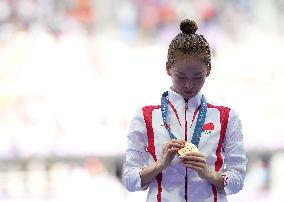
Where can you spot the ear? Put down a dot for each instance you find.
(208, 70)
(169, 69)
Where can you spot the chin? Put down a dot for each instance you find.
(189, 95)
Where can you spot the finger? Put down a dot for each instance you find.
(190, 158)
(175, 145)
(185, 157)
(199, 161)
(196, 168)
(188, 154)
(182, 142)
(173, 150)
(177, 142)
(196, 164)
(193, 163)
(195, 154)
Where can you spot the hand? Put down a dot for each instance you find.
(196, 161)
(169, 151)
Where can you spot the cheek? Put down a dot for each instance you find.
(177, 82)
(199, 84)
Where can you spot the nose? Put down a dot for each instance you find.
(188, 84)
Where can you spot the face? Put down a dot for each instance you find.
(188, 76)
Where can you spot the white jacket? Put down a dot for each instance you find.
(221, 142)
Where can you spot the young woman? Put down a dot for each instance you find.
(186, 148)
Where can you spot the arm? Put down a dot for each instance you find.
(232, 179)
(136, 154)
(235, 156)
(137, 174)
(169, 151)
(150, 172)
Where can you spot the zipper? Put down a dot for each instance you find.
(185, 106)
(185, 138)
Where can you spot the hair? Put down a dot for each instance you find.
(189, 43)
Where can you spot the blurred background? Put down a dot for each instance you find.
(73, 72)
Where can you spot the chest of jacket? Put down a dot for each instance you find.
(182, 123)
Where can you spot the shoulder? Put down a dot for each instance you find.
(149, 107)
(218, 105)
(225, 110)
(146, 110)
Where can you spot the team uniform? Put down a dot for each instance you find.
(221, 142)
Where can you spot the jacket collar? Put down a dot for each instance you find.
(177, 99)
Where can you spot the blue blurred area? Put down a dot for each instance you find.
(73, 72)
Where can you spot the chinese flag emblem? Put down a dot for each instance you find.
(208, 128)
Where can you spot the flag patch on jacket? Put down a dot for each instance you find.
(208, 128)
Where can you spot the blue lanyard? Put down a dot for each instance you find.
(200, 119)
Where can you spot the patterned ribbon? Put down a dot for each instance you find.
(200, 119)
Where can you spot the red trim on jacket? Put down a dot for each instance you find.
(147, 113)
(224, 117)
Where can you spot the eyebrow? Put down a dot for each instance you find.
(198, 73)
(180, 72)
(195, 74)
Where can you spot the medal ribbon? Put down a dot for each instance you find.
(200, 119)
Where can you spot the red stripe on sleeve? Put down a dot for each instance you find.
(147, 113)
(224, 117)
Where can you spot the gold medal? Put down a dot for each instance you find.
(188, 147)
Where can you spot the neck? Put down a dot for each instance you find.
(173, 89)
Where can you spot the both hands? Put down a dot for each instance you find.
(193, 160)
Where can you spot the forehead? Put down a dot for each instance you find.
(189, 65)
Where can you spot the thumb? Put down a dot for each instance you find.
(173, 150)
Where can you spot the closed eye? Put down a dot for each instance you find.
(181, 78)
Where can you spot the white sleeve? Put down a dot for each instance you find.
(235, 156)
(136, 154)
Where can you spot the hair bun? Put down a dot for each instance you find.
(188, 26)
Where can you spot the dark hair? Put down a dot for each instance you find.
(189, 43)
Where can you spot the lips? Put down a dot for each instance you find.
(188, 92)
